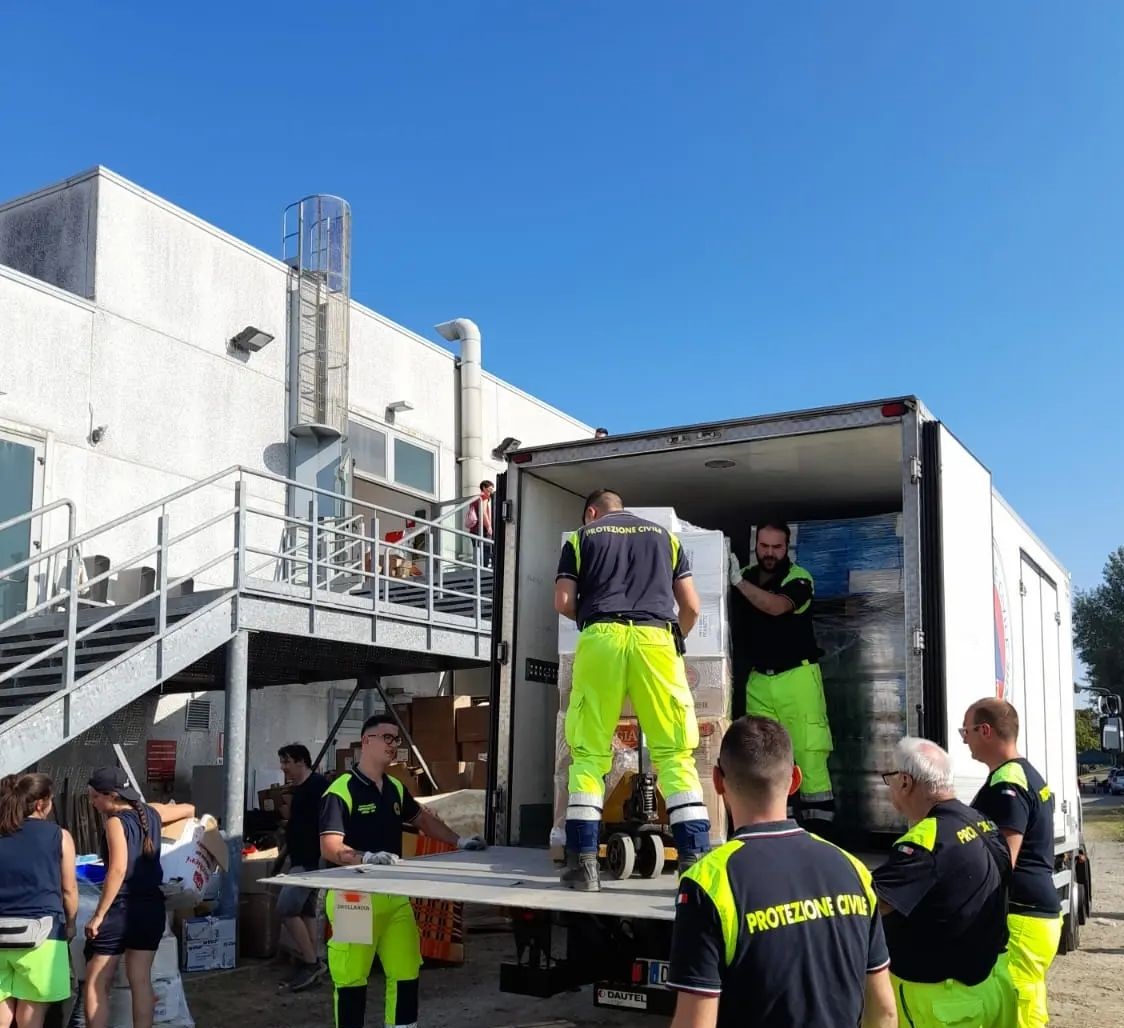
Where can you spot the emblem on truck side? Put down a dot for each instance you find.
(1003, 654)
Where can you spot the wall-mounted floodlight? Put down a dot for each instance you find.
(251, 339)
(396, 408)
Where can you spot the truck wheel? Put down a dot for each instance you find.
(651, 859)
(1082, 903)
(620, 855)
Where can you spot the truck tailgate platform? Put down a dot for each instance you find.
(503, 876)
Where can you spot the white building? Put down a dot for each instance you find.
(120, 385)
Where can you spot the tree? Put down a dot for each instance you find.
(1088, 731)
(1098, 627)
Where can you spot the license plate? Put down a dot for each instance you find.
(657, 972)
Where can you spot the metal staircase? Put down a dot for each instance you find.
(324, 598)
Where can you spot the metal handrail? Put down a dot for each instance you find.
(345, 551)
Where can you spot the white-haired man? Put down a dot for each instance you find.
(943, 896)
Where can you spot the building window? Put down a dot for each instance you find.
(414, 467)
(368, 449)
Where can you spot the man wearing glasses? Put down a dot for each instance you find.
(361, 819)
(1017, 798)
(943, 896)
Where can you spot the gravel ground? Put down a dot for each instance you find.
(1086, 988)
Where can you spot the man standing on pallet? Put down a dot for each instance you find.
(785, 682)
(361, 819)
(620, 578)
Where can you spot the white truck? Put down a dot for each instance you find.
(984, 610)
(977, 606)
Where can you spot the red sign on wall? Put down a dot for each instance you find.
(160, 760)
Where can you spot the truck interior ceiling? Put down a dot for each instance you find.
(850, 472)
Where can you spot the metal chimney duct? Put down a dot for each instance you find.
(472, 402)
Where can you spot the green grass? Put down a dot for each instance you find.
(1105, 823)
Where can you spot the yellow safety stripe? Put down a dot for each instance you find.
(399, 787)
(1010, 773)
(797, 573)
(576, 546)
(711, 876)
(860, 869)
(339, 787)
(676, 546)
(923, 834)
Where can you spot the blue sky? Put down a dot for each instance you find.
(663, 212)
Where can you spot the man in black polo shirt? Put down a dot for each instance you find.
(296, 905)
(1018, 800)
(785, 681)
(943, 893)
(620, 578)
(776, 928)
(361, 819)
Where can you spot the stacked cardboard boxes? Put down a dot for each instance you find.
(452, 735)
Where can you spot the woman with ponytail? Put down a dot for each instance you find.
(130, 916)
(38, 902)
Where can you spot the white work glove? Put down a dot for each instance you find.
(735, 569)
(382, 857)
(471, 842)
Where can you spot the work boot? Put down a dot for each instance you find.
(582, 873)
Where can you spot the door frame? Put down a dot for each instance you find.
(38, 584)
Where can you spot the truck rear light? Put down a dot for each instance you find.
(894, 410)
(521, 458)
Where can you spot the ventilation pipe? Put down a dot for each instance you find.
(472, 402)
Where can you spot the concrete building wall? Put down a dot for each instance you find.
(119, 315)
(50, 235)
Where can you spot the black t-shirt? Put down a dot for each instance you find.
(302, 833)
(780, 642)
(783, 926)
(1016, 797)
(625, 568)
(946, 879)
(368, 818)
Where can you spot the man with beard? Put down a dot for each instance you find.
(785, 682)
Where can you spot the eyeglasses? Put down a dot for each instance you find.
(964, 731)
(390, 740)
(887, 775)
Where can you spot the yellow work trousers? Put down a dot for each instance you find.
(1031, 948)
(615, 660)
(395, 941)
(795, 699)
(991, 1004)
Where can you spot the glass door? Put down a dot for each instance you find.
(19, 488)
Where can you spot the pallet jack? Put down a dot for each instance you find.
(634, 825)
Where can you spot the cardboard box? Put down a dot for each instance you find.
(471, 752)
(440, 922)
(436, 715)
(343, 760)
(407, 777)
(478, 777)
(474, 723)
(255, 867)
(208, 943)
(451, 774)
(436, 748)
(711, 683)
(260, 932)
(272, 799)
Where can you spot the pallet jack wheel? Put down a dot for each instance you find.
(651, 858)
(620, 855)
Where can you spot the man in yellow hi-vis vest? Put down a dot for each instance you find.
(361, 819)
(785, 682)
(620, 578)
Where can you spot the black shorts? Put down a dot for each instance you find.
(131, 923)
